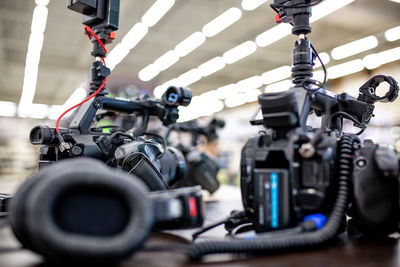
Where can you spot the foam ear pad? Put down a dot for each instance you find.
(79, 210)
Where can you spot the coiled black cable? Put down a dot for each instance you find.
(307, 239)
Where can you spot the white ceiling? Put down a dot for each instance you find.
(65, 58)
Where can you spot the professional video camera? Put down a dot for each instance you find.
(201, 168)
(298, 183)
(78, 209)
(136, 152)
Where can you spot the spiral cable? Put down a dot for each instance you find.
(308, 239)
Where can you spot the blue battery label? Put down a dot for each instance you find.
(274, 200)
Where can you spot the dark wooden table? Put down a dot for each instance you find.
(344, 251)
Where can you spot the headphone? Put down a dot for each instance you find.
(80, 210)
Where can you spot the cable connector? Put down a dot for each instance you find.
(64, 146)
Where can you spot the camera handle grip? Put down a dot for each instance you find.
(368, 90)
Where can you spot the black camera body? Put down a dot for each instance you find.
(279, 187)
(150, 159)
(291, 171)
(201, 168)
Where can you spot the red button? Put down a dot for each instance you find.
(277, 18)
(112, 35)
(192, 207)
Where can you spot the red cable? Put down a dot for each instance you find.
(87, 30)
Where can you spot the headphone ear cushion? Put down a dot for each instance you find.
(18, 207)
(82, 211)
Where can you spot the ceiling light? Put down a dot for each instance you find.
(278, 87)
(166, 60)
(393, 34)
(227, 90)
(157, 11)
(252, 4)
(222, 22)
(252, 95)
(42, 2)
(129, 41)
(135, 35)
(78, 95)
(327, 7)
(36, 111)
(282, 30)
(325, 59)
(375, 60)
(211, 66)
(276, 74)
(241, 51)
(274, 34)
(189, 77)
(39, 19)
(397, 1)
(55, 111)
(235, 100)
(345, 69)
(190, 43)
(116, 55)
(355, 47)
(148, 73)
(8, 109)
(35, 44)
(250, 83)
(319, 75)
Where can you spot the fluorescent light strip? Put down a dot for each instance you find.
(277, 74)
(156, 12)
(192, 42)
(272, 35)
(39, 20)
(128, 42)
(239, 52)
(355, 47)
(8, 109)
(222, 22)
(138, 32)
(376, 60)
(211, 66)
(345, 69)
(393, 34)
(252, 4)
(396, 1)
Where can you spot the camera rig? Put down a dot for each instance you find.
(80, 139)
(297, 183)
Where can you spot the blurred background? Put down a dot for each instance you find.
(226, 51)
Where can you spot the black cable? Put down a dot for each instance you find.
(208, 228)
(113, 135)
(347, 116)
(308, 81)
(322, 64)
(308, 239)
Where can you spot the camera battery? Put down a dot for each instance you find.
(271, 199)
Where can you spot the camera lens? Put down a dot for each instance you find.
(176, 96)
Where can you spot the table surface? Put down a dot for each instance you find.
(344, 251)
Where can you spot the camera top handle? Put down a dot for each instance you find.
(165, 109)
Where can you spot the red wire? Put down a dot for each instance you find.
(87, 30)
